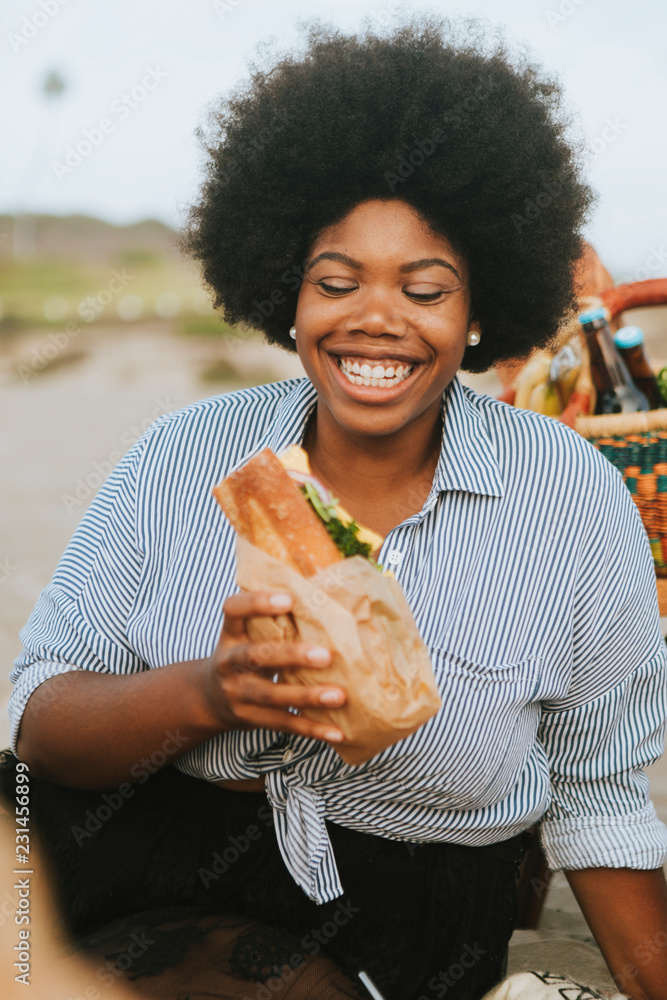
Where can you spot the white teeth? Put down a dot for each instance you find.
(378, 375)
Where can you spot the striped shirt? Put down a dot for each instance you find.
(530, 578)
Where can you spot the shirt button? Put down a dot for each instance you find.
(395, 557)
(287, 756)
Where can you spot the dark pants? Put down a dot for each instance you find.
(167, 858)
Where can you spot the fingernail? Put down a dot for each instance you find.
(334, 736)
(318, 656)
(331, 698)
(280, 601)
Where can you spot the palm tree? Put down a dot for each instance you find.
(25, 224)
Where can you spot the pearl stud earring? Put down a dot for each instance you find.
(292, 333)
(473, 338)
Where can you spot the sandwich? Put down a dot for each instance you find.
(294, 536)
(278, 506)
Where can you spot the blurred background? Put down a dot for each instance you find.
(104, 327)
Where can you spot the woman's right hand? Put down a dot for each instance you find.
(238, 687)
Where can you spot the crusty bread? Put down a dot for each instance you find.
(267, 509)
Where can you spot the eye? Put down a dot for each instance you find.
(335, 289)
(428, 291)
(425, 296)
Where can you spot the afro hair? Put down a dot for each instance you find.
(472, 138)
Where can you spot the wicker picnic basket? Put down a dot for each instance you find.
(636, 443)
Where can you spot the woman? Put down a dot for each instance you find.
(393, 208)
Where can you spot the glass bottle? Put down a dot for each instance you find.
(616, 392)
(629, 341)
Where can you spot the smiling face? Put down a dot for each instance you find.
(382, 318)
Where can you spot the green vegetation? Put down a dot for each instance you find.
(662, 382)
(223, 372)
(48, 273)
(344, 535)
(206, 326)
(140, 258)
(25, 285)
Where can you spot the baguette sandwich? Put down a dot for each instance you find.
(293, 536)
(278, 506)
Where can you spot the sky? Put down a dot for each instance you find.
(140, 75)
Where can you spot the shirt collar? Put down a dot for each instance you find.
(467, 458)
(468, 461)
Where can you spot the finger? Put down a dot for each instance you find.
(254, 691)
(256, 604)
(268, 655)
(284, 722)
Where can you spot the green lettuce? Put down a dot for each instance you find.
(343, 535)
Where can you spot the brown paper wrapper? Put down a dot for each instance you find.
(378, 656)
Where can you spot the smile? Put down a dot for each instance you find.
(384, 375)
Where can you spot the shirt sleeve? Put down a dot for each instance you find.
(79, 621)
(611, 723)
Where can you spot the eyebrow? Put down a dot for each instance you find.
(342, 258)
(414, 265)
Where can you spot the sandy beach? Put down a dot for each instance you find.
(63, 429)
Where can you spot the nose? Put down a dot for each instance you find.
(376, 314)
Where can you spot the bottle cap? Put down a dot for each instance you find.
(629, 336)
(592, 314)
